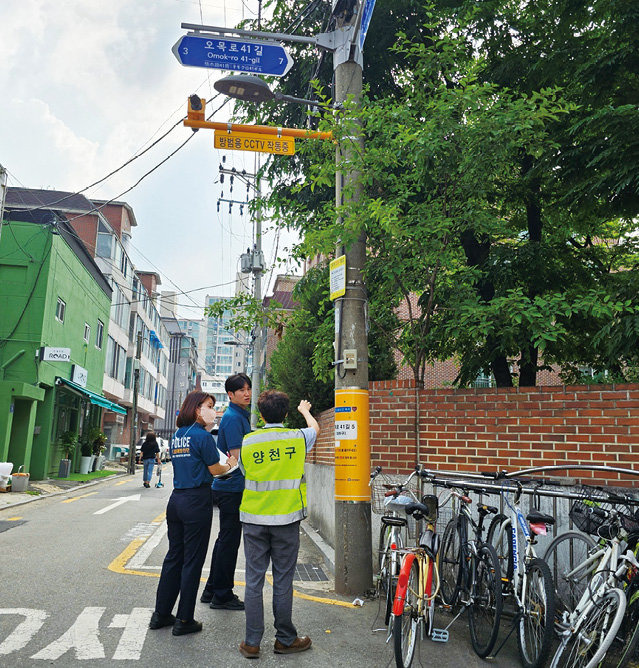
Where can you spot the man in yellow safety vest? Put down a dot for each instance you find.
(273, 504)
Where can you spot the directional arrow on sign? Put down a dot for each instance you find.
(237, 55)
(118, 502)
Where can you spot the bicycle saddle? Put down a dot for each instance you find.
(537, 517)
(419, 509)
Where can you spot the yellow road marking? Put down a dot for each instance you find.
(13, 519)
(160, 518)
(123, 482)
(118, 565)
(82, 496)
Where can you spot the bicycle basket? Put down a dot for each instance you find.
(384, 483)
(582, 515)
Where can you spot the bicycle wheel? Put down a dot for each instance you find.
(564, 556)
(587, 644)
(450, 565)
(537, 617)
(502, 545)
(388, 567)
(484, 611)
(625, 645)
(405, 625)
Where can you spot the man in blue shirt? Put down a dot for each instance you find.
(227, 495)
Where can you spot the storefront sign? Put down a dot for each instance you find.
(352, 445)
(79, 375)
(55, 354)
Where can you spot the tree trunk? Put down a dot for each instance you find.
(476, 255)
(528, 363)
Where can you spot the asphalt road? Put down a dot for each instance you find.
(78, 574)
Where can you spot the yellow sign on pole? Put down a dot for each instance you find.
(244, 141)
(352, 445)
(337, 269)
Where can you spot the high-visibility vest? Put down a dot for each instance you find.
(274, 486)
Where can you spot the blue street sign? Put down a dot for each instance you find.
(367, 12)
(223, 53)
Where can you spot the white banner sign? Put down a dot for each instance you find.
(56, 354)
(346, 430)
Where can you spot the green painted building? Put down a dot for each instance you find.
(54, 315)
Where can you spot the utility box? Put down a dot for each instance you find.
(246, 262)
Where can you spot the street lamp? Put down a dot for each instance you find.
(249, 88)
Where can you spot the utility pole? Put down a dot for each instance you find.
(257, 268)
(353, 539)
(252, 262)
(134, 416)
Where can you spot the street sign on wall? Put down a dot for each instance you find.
(244, 141)
(237, 55)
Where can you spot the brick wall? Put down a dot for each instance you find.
(491, 429)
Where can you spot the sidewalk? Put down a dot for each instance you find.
(39, 489)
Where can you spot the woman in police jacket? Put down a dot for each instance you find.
(195, 461)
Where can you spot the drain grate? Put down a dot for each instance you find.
(9, 525)
(309, 573)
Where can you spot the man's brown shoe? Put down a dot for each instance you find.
(249, 651)
(298, 645)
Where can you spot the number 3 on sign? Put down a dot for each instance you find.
(346, 430)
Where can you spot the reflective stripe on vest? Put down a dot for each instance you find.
(274, 487)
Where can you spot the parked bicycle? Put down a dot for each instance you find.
(417, 586)
(469, 571)
(590, 592)
(390, 499)
(525, 577)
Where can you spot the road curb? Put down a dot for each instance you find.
(83, 485)
(328, 553)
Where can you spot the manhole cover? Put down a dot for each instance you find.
(9, 525)
(309, 573)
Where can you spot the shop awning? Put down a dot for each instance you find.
(96, 399)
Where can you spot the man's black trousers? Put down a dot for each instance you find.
(224, 559)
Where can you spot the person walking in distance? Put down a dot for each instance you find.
(150, 454)
(273, 504)
(227, 495)
(195, 461)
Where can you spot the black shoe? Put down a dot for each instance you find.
(232, 604)
(158, 621)
(181, 628)
(206, 597)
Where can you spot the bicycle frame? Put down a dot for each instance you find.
(427, 568)
(517, 519)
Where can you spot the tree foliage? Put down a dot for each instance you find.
(500, 182)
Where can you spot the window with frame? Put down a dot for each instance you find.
(87, 332)
(99, 334)
(60, 310)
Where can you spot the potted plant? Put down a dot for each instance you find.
(98, 444)
(87, 457)
(68, 442)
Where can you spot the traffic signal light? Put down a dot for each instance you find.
(196, 108)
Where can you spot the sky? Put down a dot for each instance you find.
(85, 86)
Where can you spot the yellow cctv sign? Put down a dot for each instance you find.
(352, 445)
(244, 141)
